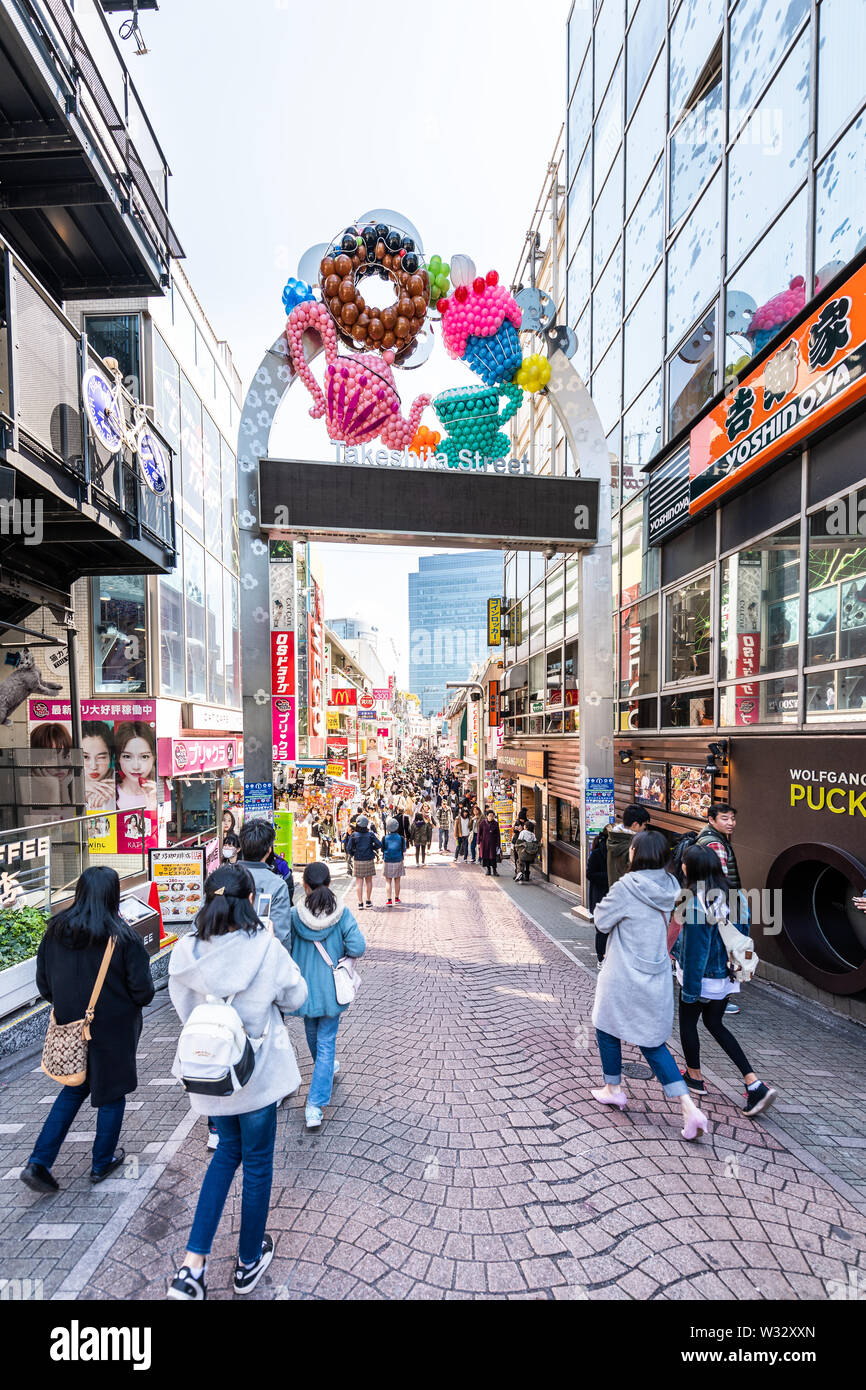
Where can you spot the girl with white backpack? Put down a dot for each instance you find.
(712, 956)
(231, 981)
(325, 940)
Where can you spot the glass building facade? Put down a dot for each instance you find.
(448, 620)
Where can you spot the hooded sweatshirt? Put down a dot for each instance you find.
(634, 996)
(339, 934)
(618, 845)
(266, 982)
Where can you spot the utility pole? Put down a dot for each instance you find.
(477, 686)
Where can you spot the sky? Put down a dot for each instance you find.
(283, 122)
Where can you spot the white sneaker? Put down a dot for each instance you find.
(336, 1067)
(313, 1117)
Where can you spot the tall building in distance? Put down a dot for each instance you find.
(448, 620)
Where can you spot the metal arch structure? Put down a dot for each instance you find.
(584, 434)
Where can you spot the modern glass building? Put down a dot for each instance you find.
(448, 620)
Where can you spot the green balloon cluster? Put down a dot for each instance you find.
(440, 284)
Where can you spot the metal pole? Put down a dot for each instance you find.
(481, 750)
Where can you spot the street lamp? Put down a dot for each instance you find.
(477, 687)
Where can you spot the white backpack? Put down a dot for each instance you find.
(215, 1057)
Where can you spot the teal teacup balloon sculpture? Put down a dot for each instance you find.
(473, 421)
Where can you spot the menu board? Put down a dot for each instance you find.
(179, 877)
(691, 790)
(650, 784)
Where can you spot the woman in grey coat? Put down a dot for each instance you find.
(234, 956)
(634, 995)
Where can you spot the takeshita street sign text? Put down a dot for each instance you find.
(816, 374)
(364, 455)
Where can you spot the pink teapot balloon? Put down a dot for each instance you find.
(360, 400)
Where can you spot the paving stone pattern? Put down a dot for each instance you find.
(462, 1156)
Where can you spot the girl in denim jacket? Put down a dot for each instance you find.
(702, 971)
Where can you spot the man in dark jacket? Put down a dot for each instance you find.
(490, 843)
(619, 838)
(257, 842)
(721, 823)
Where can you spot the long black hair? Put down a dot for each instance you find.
(651, 851)
(702, 868)
(94, 915)
(317, 881)
(227, 905)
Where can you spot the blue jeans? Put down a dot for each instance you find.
(322, 1042)
(462, 847)
(247, 1139)
(109, 1118)
(473, 845)
(443, 837)
(660, 1059)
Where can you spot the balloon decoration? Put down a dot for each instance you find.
(770, 317)
(471, 415)
(360, 400)
(533, 373)
(480, 322)
(425, 442)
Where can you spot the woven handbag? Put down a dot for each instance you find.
(64, 1056)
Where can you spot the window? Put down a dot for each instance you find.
(118, 335)
(215, 632)
(579, 34)
(184, 324)
(768, 289)
(687, 631)
(690, 709)
(607, 309)
(694, 264)
(172, 676)
(567, 822)
(638, 714)
(536, 678)
(696, 148)
(771, 154)
(642, 45)
(579, 279)
(555, 603)
(607, 386)
(570, 670)
(196, 632)
(836, 696)
(191, 459)
(760, 607)
(166, 394)
(643, 337)
(119, 634)
(230, 505)
(692, 375)
(639, 649)
(840, 211)
(580, 200)
(842, 29)
(760, 33)
(536, 618)
(213, 517)
(694, 33)
(607, 219)
(640, 564)
(642, 436)
(580, 117)
(536, 567)
(231, 618)
(760, 702)
(607, 32)
(646, 135)
(644, 235)
(553, 678)
(614, 448)
(583, 356)
(836, 620)
(608, 130)
(509, 591)
(572, 586)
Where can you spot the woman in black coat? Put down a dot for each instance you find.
(67, 965)
(599, 886)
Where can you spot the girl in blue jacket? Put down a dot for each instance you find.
(321, 924)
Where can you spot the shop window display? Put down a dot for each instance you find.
(687, 632)
(760, 607)
(689, 709)
(120, 634)
(567, 823)
(760, 702)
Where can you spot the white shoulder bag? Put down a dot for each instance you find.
(347, 981)
(742, 956)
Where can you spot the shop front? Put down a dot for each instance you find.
(742, 642)
(196, 772)
(527, 765)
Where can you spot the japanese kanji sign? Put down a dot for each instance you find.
(819, 371)
(181, 756)
(282, 663)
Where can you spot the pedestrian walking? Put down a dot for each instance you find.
(596, 877)
(89, 944)
(476, 818)
(490, 843)
(527, 849)
(444, 819)
(619, 838)
(634, 996)
(323, 933)
(326, 835)
(232, 955)
(422, 836)
(716, 835)
(393, 851)
(257, 848)
(462, 829)
(702, 973)
(363, 847)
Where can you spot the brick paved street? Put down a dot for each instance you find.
(462, 1157)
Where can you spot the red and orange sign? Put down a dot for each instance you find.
(343, 697)
(816, 374)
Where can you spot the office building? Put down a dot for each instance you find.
(448, 620)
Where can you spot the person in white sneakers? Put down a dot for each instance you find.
(233, 955)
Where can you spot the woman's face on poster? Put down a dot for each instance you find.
(136, 759)
(97, 757)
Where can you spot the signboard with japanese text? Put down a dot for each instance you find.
(315, 672)
(382, 731)
(179, 875)
(598, 799)
(494, 622)
(282, 663)
(817, 373)
(333, 722)
(337, 770)
(281, 575)
(120, 767)
(258, 801)
(493, 704)
(179, 757)
(382, 696)
(285, 743)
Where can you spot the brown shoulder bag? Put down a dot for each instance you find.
(64, 1056)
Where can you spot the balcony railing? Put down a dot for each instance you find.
(77, 39)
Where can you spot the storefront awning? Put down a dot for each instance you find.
(516, 676)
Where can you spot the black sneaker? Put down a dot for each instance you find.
(186, 1288)
(246, 1277)
(760, 1099)
(105, 1172)
(39, 1178)
(697, 1088)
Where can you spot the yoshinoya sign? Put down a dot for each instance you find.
(668, 497)
(819, 372)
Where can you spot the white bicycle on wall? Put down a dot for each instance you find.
(103, 403)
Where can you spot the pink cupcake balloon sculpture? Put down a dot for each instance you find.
(360, 400)
(766, 321)
(480, 322)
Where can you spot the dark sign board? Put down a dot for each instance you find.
(669, 497)
(406, 506)
(651, 784)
